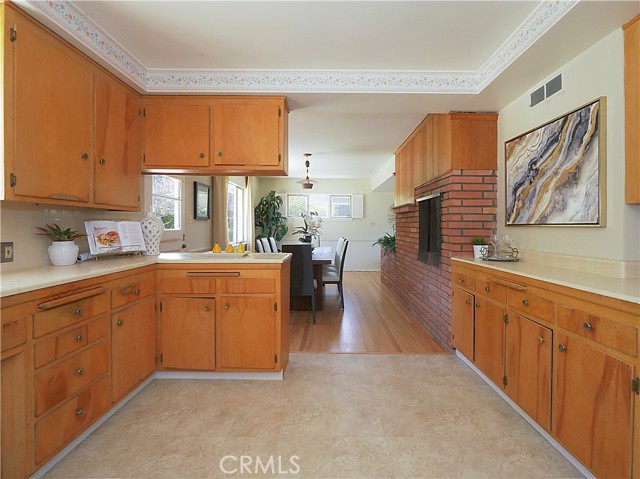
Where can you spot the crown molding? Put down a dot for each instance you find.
(90, 37)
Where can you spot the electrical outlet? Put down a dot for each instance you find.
(7, 252)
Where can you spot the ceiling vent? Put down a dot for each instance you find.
(552, 87)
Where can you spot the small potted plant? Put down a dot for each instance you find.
(478, 242)
(63, 250)
(311, 229)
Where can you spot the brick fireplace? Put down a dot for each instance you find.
(468, 209)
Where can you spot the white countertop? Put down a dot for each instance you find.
(32, 279)
(626, 289)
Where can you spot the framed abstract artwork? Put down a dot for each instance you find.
(201, 201)
(555, 173)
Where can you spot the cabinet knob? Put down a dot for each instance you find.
(120, 322)
(467, 301)
(477, 305)
(562, 348)
(80, 412)
(207, 308)
(587, 326)
(227, 305)
(136, 291)
(102, 161)
(487, 288)
(525, 302)
(540, 340)
(461, 280)
(84, 156)
(219, 153)
(201, 155)
(79, 371)
(78, 312)
(80, 338)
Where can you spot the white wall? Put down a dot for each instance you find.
(18, 223)
(598, 71)
(361, 233)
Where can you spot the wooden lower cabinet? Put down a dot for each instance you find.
(592, 406)
(133, 349)
(489, 338)
(528, 352)
(247, 333)
(187, 328)
(13, 398)
(462, 305)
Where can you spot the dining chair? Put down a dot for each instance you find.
(334, 266)
(302, 281)
(335, 277)
(272, 243)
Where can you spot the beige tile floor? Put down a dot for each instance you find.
(334, 416)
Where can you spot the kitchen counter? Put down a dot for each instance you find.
(32, 279)
(625, 289)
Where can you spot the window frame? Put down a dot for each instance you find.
(177, 235)
(330, 196)
(239, 223)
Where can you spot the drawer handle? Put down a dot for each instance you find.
(461, 280)
(227, 305)
(79, 371)
(467, 301)
(587, 326)
(212, 274)
(477, 305)
(54, 303)
(509, 284)
(487, 288)
(201, 155)
(525, 302)
(562, 348)
(207, 308)
(78, 312)
(131, 290)
(84, 156)
(120, 322)
(102, 161)
(80, 412)
(80, 338)
(219, 153)
(540, 340)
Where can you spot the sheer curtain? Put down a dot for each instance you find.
(247, 214)
(219, 218)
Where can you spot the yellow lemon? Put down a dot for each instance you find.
(240, 248)
(216, 248)
(229, 248)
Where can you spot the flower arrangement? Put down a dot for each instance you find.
(312, 225)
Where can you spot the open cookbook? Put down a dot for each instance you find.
(114, 237)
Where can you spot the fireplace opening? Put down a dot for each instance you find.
(430, 240)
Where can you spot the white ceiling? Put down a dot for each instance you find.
(352, 134)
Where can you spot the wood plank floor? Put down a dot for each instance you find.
(373, 321)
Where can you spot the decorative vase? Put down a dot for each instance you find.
(305, 239)
(152, 228)
(315, 241)
(63, 253)
(477, 250)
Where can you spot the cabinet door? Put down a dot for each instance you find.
(247, 132)
(247, 333)
(528, 367)
(462, 322)
(188, 333)
(133, 336)
(13, 373)
(117, 162)
(175, 134)
(489, 338)
(53, 110)
(592, 401)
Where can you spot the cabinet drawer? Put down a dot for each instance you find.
(248, 283)
(184, 282)
(532, 305)
(135, 288)
(14, 326)
(59, 345)
(53, 385)
(65, 423)
(59, 313)
(463, 279)
(487, 287)
(620, 337)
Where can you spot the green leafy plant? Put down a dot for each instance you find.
(268, 219)
(56, 233)
(479, 240)
(312, 225)
(387, 242)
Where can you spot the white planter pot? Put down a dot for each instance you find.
(477, 250)
(63, 253)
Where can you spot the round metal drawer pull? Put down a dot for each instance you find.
(540, 340)
(219, 153)
(85, 156)
(562, 348)
(80, 338)
(477, 305)
(467, 301)
(227, 305)
(119, 322)
(78, 312)
(136, 291)
(461, 280)
(587, 326)
(201, 155)
(79, 371)
(207, 308)
(486, 288)
(80, 412)
(525, 302)
(102, 161)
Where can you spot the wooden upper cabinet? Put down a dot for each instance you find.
(175, 134)
(52, 105)
(248, 132)
(117, 130)
(632, 110)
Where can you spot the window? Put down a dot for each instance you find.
(341, 206)
(297, 205)
(320, 204)
(235, 212)
(166, 201)
(326, 206)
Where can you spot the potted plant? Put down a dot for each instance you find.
(387, 242)
(268, 219)
(311, 228)
(478, 243)
(63, 250)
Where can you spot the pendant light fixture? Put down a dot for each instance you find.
(307, 184)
